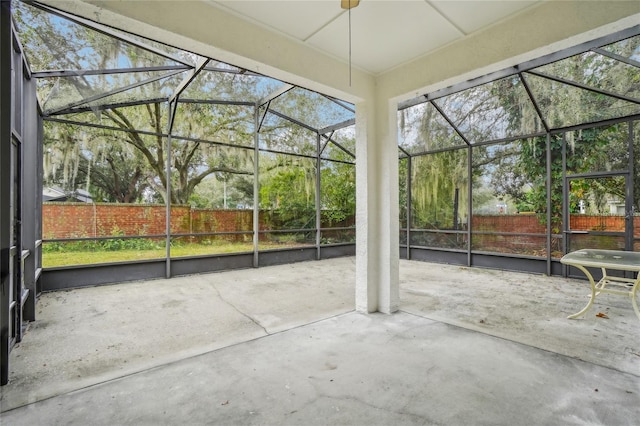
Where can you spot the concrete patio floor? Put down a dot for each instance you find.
(282, 345)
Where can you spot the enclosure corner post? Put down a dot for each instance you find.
(256, 187)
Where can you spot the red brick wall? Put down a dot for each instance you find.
(525, 223)
(517, 244)
(598, 223)
(205, 220)
(534, 245)
(520, 223)
(77, 220)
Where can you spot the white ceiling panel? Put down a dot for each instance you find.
(298, 19)
(384, 33)
(472, 15)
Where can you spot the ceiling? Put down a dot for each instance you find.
(384, 33)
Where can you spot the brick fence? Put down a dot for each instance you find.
(520, 223)
(536, 245)
(529, 224)
(600, 223)
(84, 220)
(79, 220)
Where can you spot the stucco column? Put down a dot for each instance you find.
(377, 227)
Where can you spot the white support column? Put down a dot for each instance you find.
(377, 226)
(367, 244)
(389, 208)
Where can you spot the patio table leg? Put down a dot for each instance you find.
(634, 300)
(593, 293)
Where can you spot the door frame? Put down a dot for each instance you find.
(628, 202)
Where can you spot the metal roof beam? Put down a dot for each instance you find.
(107, 31)
(600, 123)
(293, 120)
(338, 102)
(349, 153)
(115, 91)
(584, 87)
(351, 163)
(534, 102)
(82, 73)
(214, 102)
(293, 154)
(228, 145)
(404, 151)
(238, 71)
(326, 143)
(107, 106)
(104, 127)
(276, 93)
(264, 115)
(451, 123)
(338, 126)
(189, 78)
(617, 57)
(525, 66)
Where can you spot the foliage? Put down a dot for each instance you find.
(288, 192)
(590, 150)
(423, 129)
(218, 193)
(403, 170)
(110, 244)
(436, 179)
(516, 172)
(338, 193)
(78, 156)
(122, 153)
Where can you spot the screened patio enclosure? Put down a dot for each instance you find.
(130, 159)
(527, 164)
(144, 160)
(183, 158)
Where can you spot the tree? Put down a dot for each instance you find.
(521, 174)
(82, 157)
(287, 190)
(212, 192)
(434, 191)
(57, 43)
(124, 157)
(338, 193)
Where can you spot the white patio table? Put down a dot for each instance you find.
(612, 260)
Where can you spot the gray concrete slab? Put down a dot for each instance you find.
(526, 308)
(90, 335)
(357, 369)
(122, 337)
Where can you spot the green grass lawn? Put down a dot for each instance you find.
(51, 259)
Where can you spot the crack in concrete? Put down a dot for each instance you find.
(321, 393)
(340, 398)
(249, 317)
